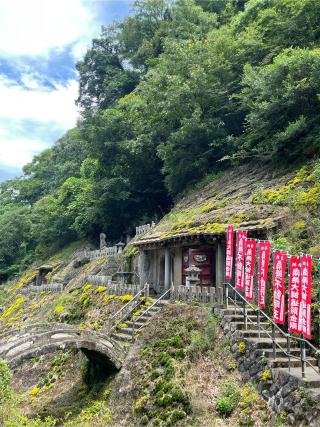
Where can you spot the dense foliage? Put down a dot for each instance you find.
(175, 91)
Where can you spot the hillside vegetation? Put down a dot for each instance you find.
(180, 372)
(175, 92)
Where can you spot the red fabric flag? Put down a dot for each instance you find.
(279, 269)
(294, 325)
(264, 259)
(249, 268)
(305, 277)
(229, 254)
(241, 247)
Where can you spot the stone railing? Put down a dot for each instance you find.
(98, 280)
(113, 288)
(189, 294)
(51, 287)
(99, 253)
(143, 229)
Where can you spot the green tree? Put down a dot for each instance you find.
(282, 101)
(103, 77)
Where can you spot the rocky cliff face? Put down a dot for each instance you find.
(283, 204)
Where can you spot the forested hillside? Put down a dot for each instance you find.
(171, 95)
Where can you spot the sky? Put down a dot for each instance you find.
(40, 42)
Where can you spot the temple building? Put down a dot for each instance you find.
(194, 233)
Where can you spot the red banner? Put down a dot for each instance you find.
(229, 254)
(306, 266)
(241, 247)
(279, 269)
(294, 321)
(249, 268)
(264, 259)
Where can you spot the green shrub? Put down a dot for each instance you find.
(229, 396)
(140, 403)
(164, 358)
(175, 415)
(266, 375)
(201, 341)
(144, 420)
(199, 344)
(225, 406)
(5, 378)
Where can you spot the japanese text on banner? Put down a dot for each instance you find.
(279, 268)
(241, 246)
(264, 259)
(306, 266)
(229, 252)
(294, 311)
(249, 268)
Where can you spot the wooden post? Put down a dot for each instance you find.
(220, 260)
(167, 268)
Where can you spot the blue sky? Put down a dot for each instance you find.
(40, 42)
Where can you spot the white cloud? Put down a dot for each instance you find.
(54, 111)
(34, 27)
(15, 154)
(38, 104)
(33, 32)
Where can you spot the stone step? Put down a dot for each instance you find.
(149, 314)
(128, 331)
(241, 325)
(230, 311)
(138, 324)
(240, 318)
(121, 336)
(154, 310)
(312, 378)
(266, 343)
(268, 352)
(283, 362)
(254, 333)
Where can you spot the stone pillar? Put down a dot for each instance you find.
(220, 267)
(142, 267)
(103, 243)
(167, 269)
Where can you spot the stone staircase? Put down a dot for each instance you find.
(125, 335)
(261, 354)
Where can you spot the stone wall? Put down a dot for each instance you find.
(283, 391)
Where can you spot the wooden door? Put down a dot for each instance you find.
(201, 258)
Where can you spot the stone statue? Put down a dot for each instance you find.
(103, 243)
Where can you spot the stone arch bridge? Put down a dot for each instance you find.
(39, 339)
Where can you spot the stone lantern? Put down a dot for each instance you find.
(193, 274)
(120, 247)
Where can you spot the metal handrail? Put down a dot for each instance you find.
(126, 306)
(147, 310)
(275, 327)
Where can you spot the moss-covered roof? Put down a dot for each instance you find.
(228, 199)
